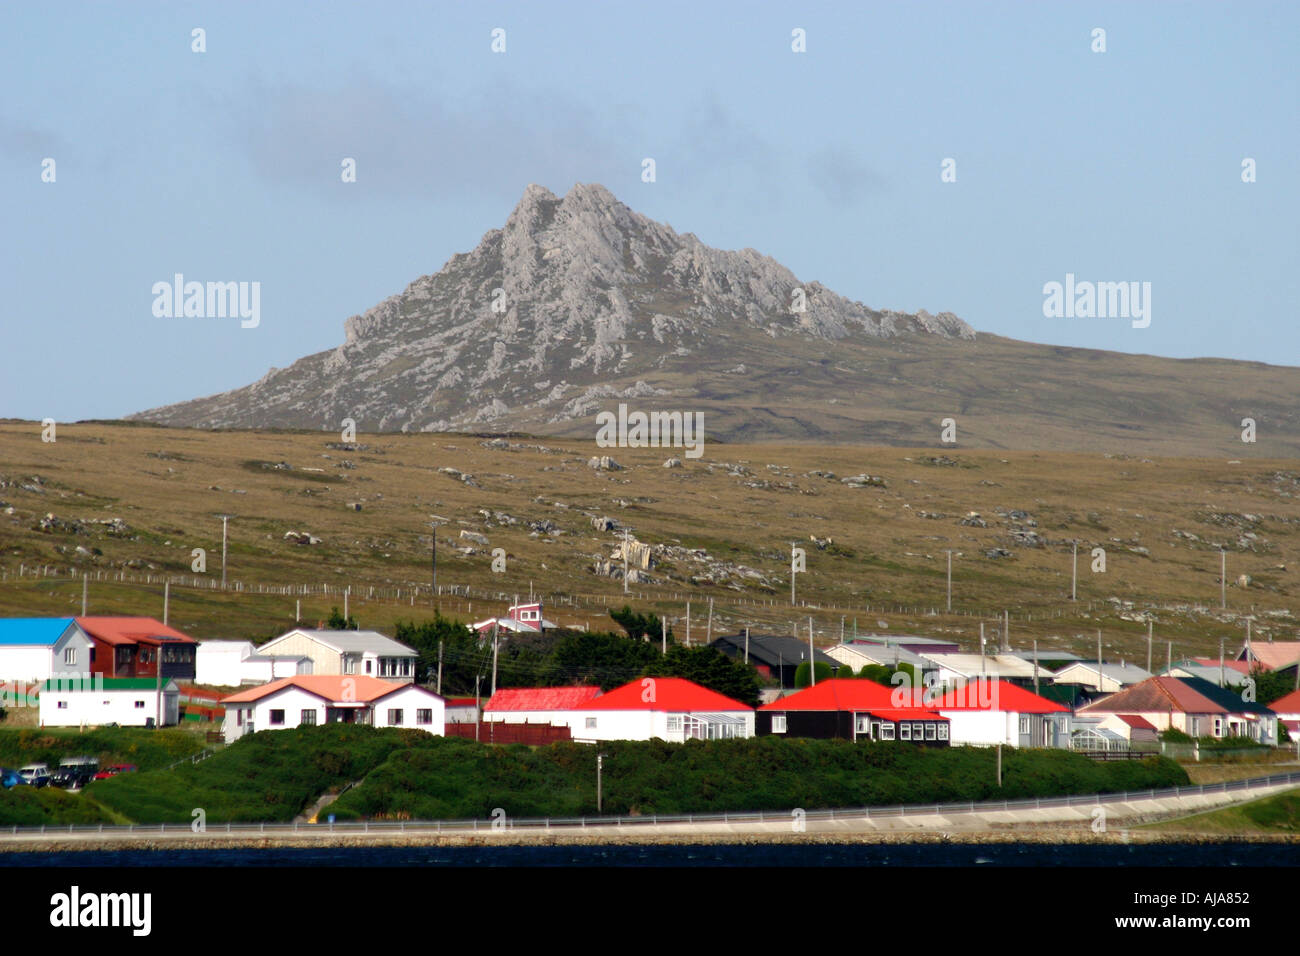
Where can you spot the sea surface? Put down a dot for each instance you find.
(769, 855)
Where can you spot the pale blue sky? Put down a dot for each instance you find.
(1123, 165)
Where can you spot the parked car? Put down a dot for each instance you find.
(114, 770)
(10, 778)
(36, 774)
(75, 772)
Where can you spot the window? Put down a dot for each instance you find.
(139, 705)
(863, 724)
(239, 717)
(904, 731)
(349, 665)
(591, 723)
(69, 655)
(63, 705)
(394, 717)
(1218, 726)
(675, 724)
(369, 664)
(943, 731)
(886, 730)
(918, 731)
(929, 731)
(424, 715)
(1195, 730)
(277, 718)
(308, 717)
(1024, 724)
(778, 723)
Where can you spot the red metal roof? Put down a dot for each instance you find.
(331, 687)
(995, 695)
(911, 713)
(1155, 695)
(1136, 721)
(1290, 704)
(131, 630)
(842, 694)
(672, 694)
(1240, 666)
(462, 701)
(541, 698)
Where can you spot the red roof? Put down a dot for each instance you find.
(331, 687)
(1290, 704)
(1155, 695)
(1136, 722)
(840, 694)
(1240, 666)
(541, 698)
(671, 694)
(131, 630)
(911, 713)
(462, 701)
(995, 695)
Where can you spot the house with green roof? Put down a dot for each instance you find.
(93, 700)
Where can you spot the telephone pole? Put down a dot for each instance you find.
(950, 580)
(1074, 574)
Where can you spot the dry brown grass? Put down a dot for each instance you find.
(170, 484)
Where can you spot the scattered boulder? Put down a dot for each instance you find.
(673, 463)
(604, 463)
(301, 537)
(474, 537)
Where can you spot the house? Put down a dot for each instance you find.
(952, 669)
(1227, 674)
(342, 653)
(308, 699)
(849, 709)
(33, 649)
(1288, 712)
(986, 712)
(1270, 655)
(462, 710)
(774, 657)
(521, 619)
(537, 705)
(139, 647)
(908, 642)
(858, 655)
(1191, 705)
(235, 663)
(1103, 678)
(662, 708)
(94, 700)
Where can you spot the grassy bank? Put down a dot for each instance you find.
(147, 749)
(1276, 814)
(452, 778)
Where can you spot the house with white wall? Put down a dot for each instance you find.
(310, 699)
(34, 649)
(663, 708)
(236, 663)
(1191, 705)
(537, 705)
(1288, 712)
(1104, 678)
(346, 653)
(93, 701)
(984, 713)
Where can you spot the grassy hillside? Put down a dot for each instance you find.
(455, 778)
(147, 749)
(879, 558)
(1276, 814)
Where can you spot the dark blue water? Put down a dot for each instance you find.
(783, 855)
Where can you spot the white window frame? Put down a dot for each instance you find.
(674, 723)
(886, 730)
(70, 655)
(930, 731)
(591, 723)
(905, 730)
(778, 723)
(943, 730)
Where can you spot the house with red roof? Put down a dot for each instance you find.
(139, 647)
(1191, 705)
(1288, 713)
(988, 712)
(1270, 655)
(848, 709)
(308, 699)
(660, 708)
(537, 705)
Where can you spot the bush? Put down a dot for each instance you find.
(801, 679)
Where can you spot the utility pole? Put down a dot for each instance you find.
(1169, 656)
(600, 763)
(297, 611)
(1006, 631)
(625, 559)
(1149, 629)
(663, 635)
(439, 688)
(812, 664)
(1223, 578)
(1221, 662)
(167, 599)
(983, 670)
(1100, 681)
(85, 593)
(495, 627)
(478, 702)
(1035, 665)
(688, 623)
(1074, 574)
(347, 591)
(746, 645)
(708, 633)
(224, 519)
(999, 763)
(950, 581)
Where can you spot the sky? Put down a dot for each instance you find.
(225, 165)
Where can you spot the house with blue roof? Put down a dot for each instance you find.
(36, 649)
